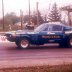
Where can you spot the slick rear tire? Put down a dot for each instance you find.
(70, 42)
(63, 45)
(67, 44)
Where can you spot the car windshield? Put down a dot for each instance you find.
(39, 28)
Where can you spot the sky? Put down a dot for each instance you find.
(17, 5)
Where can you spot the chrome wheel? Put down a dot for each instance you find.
(24, 43)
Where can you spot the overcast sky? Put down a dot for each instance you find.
(16, 5)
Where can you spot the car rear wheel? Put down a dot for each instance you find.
(67, 43)
(63, 44)
(70, 42)
(24, 43)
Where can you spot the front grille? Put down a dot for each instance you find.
(8, 35)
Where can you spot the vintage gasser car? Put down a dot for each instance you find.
(45, 33)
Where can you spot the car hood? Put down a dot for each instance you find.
(21, 32)
(25, 32)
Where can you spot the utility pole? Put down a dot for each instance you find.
(49, 6)
(29, 11)
(69, 19)
(21, 16)
(37, 14)
(45, 17)
(3, 14)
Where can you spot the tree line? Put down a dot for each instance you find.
(12, 18)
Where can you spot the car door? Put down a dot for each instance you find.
(56, 33)
(51, 34)
(43, 34)
(48, 34)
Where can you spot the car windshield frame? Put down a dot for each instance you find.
(40, 28)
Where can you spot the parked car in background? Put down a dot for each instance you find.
(52, 32)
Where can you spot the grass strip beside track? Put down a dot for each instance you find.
(45, 68)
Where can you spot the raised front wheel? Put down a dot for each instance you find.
(24, 43)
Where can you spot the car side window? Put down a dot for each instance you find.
(57, 28)
(50, 28)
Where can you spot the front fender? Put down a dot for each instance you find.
(19, 37)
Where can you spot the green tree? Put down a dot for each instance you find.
(40, 18)
(26, 18)
(54, 14)
(11, 18)
(33, 18)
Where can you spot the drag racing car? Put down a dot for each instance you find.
(51, 32)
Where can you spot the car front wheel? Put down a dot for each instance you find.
(24, 43)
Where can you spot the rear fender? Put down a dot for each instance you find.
(70, 36)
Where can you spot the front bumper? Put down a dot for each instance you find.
(10, 37)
